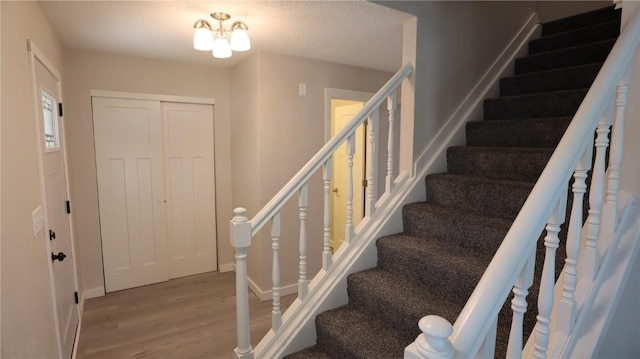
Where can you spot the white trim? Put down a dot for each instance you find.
(93, 293)
(0, 182)
(74, 353)
(36, 55)
(153, 97)
(472, 104)
(228, 267)
(265, 295)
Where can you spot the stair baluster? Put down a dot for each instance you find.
(371, 155)
(326, 250)
(519, 306)
(276, 313)
(351, 147)
(547, 281)
(240, 229)
(609, 210)
(391, 106)
(303, 199)
(596, 194)
(566, 312)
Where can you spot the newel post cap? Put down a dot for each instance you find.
(434, 342)
(240, 229)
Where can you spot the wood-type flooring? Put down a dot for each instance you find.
(192, 317)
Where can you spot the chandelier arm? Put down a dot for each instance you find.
(202, 23)
(239, 25)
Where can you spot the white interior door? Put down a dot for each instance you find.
(57, 230)
(128, 139)
(189, 173)
(343, 115)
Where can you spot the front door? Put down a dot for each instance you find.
(58, 232)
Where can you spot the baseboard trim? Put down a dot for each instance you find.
(228, 267)
(454, 126)
(93, 292)
(265, 295)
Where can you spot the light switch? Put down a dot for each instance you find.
(302, 89)
(38, 220)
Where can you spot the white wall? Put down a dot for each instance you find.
(86, 71)
(284, 131)
(553, 10)
(456, 44)
(27, 314)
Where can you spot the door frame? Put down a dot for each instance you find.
(35, 54)
(164, 98)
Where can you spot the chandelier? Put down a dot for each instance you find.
(221, 41)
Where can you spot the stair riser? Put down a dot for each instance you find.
(558, 80)
(543, 133)
(491, 163)
(556, 104)
(591, 34)
(490, 197)
(430, 224)
(580, 21)
(582, 55)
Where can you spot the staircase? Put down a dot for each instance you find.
(449, 239)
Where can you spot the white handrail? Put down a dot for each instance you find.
(488, 297)
(300, 178)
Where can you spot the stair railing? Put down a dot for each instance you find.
(474, 332)
(243, 229)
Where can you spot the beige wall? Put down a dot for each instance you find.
(86, 71)
(285, 132)
(553, 10)
(27, 314)
(452, 56)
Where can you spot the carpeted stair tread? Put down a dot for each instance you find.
(528, 132)
(509, 163)
(570, 78)
(375, 293)
(433, 264)
(549, 104)
(571, 56)
(502, 198)
(479, 232)
(599, 32)
(582, 20)
(314, 352)
(348, 333)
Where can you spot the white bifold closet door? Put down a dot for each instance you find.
(156, 190)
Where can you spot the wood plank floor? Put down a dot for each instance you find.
(192, 317)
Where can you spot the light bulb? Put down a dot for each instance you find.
(203, 39)
(240, 40)
(221, 48)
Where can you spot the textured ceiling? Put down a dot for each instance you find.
(351, 32)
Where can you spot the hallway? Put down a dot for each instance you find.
(191, 317)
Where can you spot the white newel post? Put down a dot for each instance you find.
(240, 230)
(566, 312)
(326, 250)
(547, 281)
(303, 202)
(434, 341)
(391, 106)
(610, 208)
(276, 313)
(596, 193)
(519, 306)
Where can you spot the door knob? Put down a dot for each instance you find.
(60, 256)
(335, 190)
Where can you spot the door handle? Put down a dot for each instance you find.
(335, 190)
(60, 256)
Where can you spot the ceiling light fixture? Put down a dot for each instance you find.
(221, 41)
